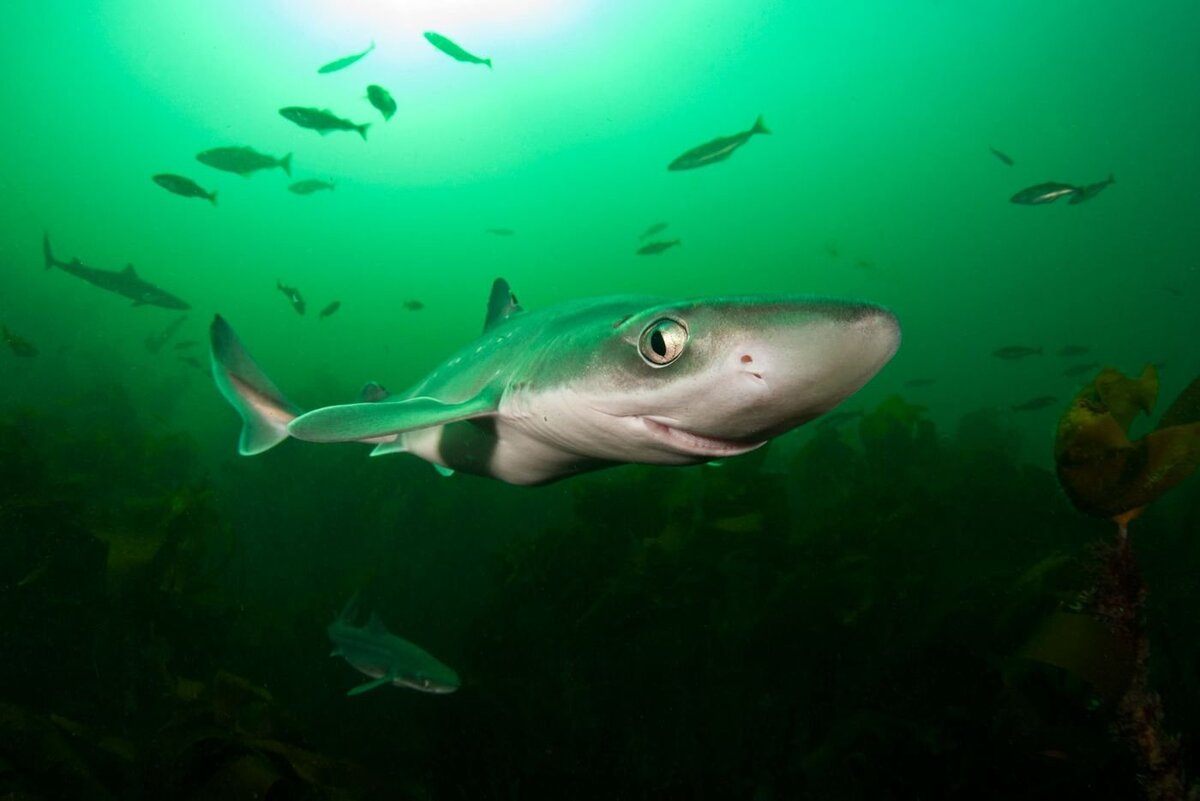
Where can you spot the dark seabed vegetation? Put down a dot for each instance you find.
(963, 566)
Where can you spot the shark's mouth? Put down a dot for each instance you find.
(696, 444)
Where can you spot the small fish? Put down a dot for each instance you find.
(192, 361)
(243, 160)
(344, 61)
(293, 296)
(1067, 351)
(1080, 369)
(155, 342)
(500, 231)
(917, 383)
(330, 309)
(718, 149)
(1002, 156)
(187, 344)
(322, 120)
(654, 248)
(185, 187)
(413, 305)
(21, 348)
(1032, 405)
(1090, 191)
(453, 50)
(654, 229)
(310, 186)
(382, 100)
(1016, 352)
(1043, 193)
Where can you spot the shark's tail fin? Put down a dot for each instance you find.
(286, 164)
(47, 253)
(265, 411)
(362, 130)
(760, 127)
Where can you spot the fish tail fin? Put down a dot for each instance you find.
(760, 127)
(286, 164)
(212, 198)
(264, 410)
(1111, 180)
(362, 130)
(488, 62)
(47, 253)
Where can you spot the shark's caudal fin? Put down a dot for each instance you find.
(760, 127)
(362, 130)
(286, 164)
(502, 304)
(47, 253)
(265, 411)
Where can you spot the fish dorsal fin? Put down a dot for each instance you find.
(502, 304)
(373, 392)
(359, 421)
(129, 272)
(375, 625)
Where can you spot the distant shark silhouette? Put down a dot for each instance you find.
(593, 383)
(124, 282)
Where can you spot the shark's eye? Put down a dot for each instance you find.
(662, 342)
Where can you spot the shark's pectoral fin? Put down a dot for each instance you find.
(359, 421)
(391, 446)
(442, 470)
(371, 685)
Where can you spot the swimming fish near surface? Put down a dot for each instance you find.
(718, 149)
(293, 295)
(654, 248)
(453, 50)
(242, 160)
(344, 61)
(1040, 194)
(386, 658)
(544, 395)
(322, 120)
(330, 309)
(184, 187)
(653, 229)
(413, 305)
(1002, 156)
(309, 186)
(1016, 352)
(382, 100)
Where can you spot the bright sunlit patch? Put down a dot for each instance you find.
(507, 20)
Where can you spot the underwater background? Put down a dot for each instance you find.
(895, 603)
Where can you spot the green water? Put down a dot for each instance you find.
(876, 183)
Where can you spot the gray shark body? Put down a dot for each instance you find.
(592, 383)
(121, 282)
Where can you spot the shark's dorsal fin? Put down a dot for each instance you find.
(375, 625)
(502, 304)
(129, 272)
(358, 421)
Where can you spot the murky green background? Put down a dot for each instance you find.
(876, 183)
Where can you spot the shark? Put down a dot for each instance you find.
(124, 282)
(591, 383)
(386, 658)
